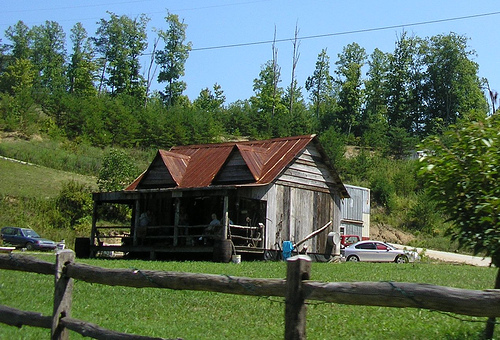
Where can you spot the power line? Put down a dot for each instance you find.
(135, 1)
(347, 32)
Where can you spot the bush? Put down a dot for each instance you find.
(423, 215)
(74, 205)
(382, 189)
(117, 171)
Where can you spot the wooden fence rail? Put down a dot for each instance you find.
(296, 289)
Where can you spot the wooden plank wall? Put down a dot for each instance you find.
(301, 201)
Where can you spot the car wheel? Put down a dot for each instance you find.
(353, 258)
(30, 246)
(401, 259)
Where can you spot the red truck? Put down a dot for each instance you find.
(346, 240)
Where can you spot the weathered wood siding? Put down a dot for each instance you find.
(157, 176)
(308, 171)
(235, 171)
(301, 201)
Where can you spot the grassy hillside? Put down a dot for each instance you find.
(27, 180)
(27, 198)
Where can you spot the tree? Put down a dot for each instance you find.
(17, 82)
(172, 58)
(461, 172)
(320, 84)
(267, 101)
(49, 57)
(294, 88)
(210, 101)
(452, 86)
(17, 79)
(21, 38)
(301, 121)
(81, 70)
(374, 116)
(350, 95)
(404, 85)
(121, 41)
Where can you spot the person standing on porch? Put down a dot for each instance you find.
(144, 221)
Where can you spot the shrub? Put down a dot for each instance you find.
(74, 205)
(117, 171)
(382, 189)
(423, 215)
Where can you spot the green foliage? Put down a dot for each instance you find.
(120, 41)
(117, 171)
(452, 82)
(358, 166)
(423, 215)
(172, 58)
(382, 189)
(461, 172)
(333, 143)
(49, 57)
(350, 93)
(82, 69)
(320, 84)
(74, 204)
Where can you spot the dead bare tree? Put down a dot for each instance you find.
(275, 73)
(150, 76)
(295, 60)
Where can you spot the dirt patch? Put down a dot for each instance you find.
(389, 234)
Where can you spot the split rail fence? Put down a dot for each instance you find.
(296, 289)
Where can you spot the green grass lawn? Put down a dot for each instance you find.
(22, 180)
(205, 315)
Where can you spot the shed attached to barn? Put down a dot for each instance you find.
(356, 212)
(262, 193)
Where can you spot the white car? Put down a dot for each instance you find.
(377, 251)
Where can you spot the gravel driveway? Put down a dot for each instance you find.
(452, 257)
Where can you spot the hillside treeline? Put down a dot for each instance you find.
(95, 92)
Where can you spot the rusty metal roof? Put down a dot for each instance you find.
(196, 166)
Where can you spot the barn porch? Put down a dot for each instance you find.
(179, 222)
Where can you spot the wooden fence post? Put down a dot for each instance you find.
(62, 295)
(298, 269)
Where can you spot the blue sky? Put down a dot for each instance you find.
(213, 24)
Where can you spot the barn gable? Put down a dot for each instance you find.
(235, 170)
(166, 171)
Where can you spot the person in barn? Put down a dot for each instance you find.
(212, 231)
(144, 221)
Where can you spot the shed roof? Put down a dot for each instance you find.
(196, 166)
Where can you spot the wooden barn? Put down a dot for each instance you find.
(217, 200)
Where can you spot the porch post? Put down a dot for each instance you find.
(136, 221)
(94, 224)
(225, 224)
(176, 220)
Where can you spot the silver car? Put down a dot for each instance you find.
(377, 251)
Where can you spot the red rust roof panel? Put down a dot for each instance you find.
(197, 165)
(176, 164)
(205, 163)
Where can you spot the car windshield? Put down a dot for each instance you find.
(30, 233)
